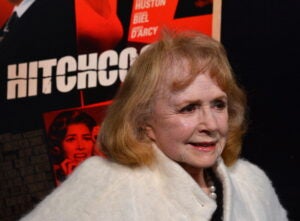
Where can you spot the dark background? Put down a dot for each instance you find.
(262, 41)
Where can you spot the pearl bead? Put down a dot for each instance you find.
(212, 188)
(213, 195)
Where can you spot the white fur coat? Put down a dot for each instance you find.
(102, 190)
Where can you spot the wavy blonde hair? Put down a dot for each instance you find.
(123, 137)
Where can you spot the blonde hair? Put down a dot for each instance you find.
(123, 137)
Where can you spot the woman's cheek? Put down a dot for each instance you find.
(221, 147)
(183, 121)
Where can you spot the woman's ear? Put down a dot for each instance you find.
(150, 133)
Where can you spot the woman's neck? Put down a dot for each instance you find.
(198, 174)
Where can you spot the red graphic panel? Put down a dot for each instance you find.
(72, 135)
(5, 11)
(148, 17)
(97, 24)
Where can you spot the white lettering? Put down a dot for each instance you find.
(68, 73)
(17, 81)
(88, 77)
(107, 59)
(47, 66)
(144, 4)
(127, 57)
(66, 83)
(140, 17)
(33, 79)
(141, 31)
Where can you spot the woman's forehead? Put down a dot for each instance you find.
(182, 72)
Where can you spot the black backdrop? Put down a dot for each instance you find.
(262, 39)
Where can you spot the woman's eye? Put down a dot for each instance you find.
(87, 138)
(189, 108)
(220, 104)
(70, 139)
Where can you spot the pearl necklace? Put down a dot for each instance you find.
(211, 187)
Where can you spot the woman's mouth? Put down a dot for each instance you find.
(204, 146)
(80, 155)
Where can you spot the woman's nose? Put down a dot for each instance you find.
(207, 120)
(80, 145)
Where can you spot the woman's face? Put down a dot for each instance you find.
(78, 142)
(190, 126)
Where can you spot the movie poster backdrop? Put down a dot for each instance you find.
(61, 63)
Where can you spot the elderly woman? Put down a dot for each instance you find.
(172, 138)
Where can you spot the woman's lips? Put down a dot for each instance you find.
(80, 155)
(204, 146)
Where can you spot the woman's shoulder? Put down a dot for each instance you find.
(91, 184)
(97, 169)
(244, 167)
(255, 186)
(99, 163)
(249, 174)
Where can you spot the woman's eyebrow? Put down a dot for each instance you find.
(222, 97)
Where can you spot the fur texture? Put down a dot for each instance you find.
(103, 190)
